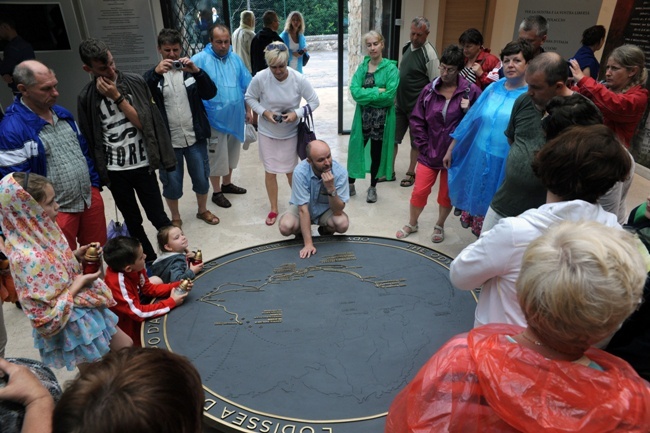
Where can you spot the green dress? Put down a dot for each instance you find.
(386, 76)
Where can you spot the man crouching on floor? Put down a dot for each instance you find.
(319, 192)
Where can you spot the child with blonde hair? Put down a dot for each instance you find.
(176, 261)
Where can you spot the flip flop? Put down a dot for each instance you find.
(270, 218)
(177, 223)
(403, 233)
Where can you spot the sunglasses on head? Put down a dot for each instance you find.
(279, 47)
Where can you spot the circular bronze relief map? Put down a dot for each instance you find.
(323, 344)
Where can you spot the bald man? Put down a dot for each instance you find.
(39, 136)
(319, 192)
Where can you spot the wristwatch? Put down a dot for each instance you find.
(332, 194)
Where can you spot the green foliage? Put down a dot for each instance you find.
(321, 17)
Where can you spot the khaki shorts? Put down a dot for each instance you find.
(223, 153)
(320, 220)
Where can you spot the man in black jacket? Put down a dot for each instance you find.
(127, 139)
(178, 86)
(264, 37)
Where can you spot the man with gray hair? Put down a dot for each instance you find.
(41, 137)
(419, 66)
(534, 29)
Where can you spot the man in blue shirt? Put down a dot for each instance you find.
(319, 192)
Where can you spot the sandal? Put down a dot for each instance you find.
(270, 218)
(220, 200)
(436, 238)
(177, 223)
(409, 180)
(231, 188)
(208, 217)
(403, 233)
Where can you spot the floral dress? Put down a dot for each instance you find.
(67, 331)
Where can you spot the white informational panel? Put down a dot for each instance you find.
(55, 40)
(567, 19)
(128, 27)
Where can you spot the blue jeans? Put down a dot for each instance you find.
(198, 167)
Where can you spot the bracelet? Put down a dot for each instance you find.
(119, 100)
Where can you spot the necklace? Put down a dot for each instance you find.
(535, 342)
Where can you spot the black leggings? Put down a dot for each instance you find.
(375, 160)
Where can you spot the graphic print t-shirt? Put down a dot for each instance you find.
(123, 144)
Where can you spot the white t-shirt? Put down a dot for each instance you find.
(123, 143)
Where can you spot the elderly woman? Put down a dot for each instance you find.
(476, 158)
(275, 94)
(294, 38)
(623, 98)
(478, 60)
(578, 282)
(440, 108)
(373, 88)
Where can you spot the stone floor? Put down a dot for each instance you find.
(243, 226)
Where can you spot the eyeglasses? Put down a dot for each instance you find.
(447, 70)
(279, 47)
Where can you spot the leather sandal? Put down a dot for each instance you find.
(405, 231)
(220, 200)
(208, 217)
(177, 223)
(409, 180)
(231, 188)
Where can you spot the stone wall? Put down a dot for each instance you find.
(326, 42)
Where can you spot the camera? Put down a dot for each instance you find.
(177, 64)
(277, 118)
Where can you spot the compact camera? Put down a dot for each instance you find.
(277, 118)
(177, 64)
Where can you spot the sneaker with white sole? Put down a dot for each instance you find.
(372, 195)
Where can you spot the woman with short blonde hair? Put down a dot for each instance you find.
(578, 282)
(275, 94)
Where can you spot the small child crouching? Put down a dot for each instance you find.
(172, 264)
(127, 278)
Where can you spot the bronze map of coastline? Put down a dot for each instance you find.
(286, 345)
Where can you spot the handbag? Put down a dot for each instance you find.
(306, 132)
(305, 59)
